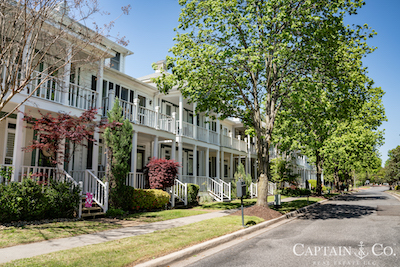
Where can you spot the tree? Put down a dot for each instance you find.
(118, 141)
(162, 173)
(281, 171)
(33, 32)
(392, 167)
(54, 131)
(250, 54)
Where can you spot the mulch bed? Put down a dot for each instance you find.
(261, 212)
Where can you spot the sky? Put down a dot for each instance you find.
(149, 27)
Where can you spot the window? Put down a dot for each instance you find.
(105, 88)
(124, 94)
(142, 101)
(168, 110)
(94, 83)
(117, 87)
(115, 61)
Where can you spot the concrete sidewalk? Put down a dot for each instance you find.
(44, 247)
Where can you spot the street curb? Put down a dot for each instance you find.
(396, 196)
(196, 249)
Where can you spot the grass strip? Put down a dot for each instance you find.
(296, 204)
(162, 215)
(12, 236)
(234, 204)
(136, 249)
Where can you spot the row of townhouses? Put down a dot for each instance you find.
(165, 126)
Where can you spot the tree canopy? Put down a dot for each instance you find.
(250, 55)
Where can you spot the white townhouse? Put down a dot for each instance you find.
(165, 126)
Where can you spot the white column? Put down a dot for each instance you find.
(155, 147)
(157, 109)
(207, 162)
(18, 144)
(174, 131)
(195, 161)
(95, 154)
(207, 132)
(134, 154)
(218, 131)
(180, 158)
(246, 160)
(180, 115)
(67, 74)
(222, 165)
(60, 155)
(194, 121)
(173, 149)
(249, 153)
(231, 166)
(111, 97)
(240, 145)
(218, 164)
(136, 111)
(99, 86)
(255, 170)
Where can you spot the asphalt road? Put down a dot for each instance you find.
(362, 229)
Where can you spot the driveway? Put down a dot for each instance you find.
(362, 229)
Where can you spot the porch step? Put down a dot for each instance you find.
(92, 212)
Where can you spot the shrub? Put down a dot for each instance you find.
(30, 201)
(122, 197)
(397, 187)
(162, 173)
(241, 174)
(114, 213)
(193, 190)
(313, 183)
(294, 192)
(148, 199)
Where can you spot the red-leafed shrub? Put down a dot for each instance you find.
(162, 173)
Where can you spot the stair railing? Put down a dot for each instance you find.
(100, 192)
(215, 189)
(179, 191)
(226, 188)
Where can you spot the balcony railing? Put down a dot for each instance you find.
(53, 89)
(188, 129)
(81, 97)
(202, 134)
(214, 138)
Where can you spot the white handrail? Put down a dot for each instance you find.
(99, 189)
(187, 129)
(226, 189)
(213, 138)
(215, 189)
(179, 190)
(81, 97)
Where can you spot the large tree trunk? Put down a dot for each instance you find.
(318, 163)
(263, 168)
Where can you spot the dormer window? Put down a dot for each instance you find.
(115, 61)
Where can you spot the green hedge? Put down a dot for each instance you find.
(295, 192)
(193, 190)
(149, 199)
(27, 201)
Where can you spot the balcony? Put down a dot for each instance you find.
(53, 89)
(154, 119)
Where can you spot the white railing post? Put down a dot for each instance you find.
(85, 183)
(136, 110)
(173, 122)
(80, 200)
(157, 118)
(106, 197)
(186, 195)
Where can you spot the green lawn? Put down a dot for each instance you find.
(136, 249)
(296, 204)
(12, 236)
(162, 215)
(235, 204)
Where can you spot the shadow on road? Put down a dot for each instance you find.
(360, 197)
(333, 211)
